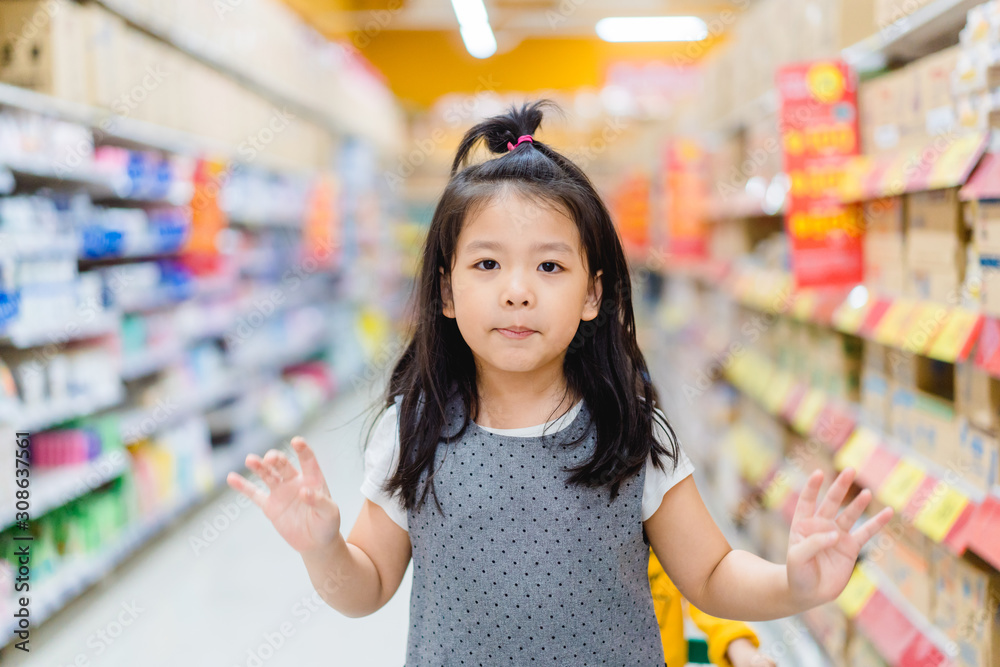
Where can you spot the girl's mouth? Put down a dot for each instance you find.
(517, 335)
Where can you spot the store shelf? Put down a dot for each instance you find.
(209, 54)
(142, 423)
(39, 172)
(72, 579)
(250, 220)
(54, 487)
(41, 417)
(21, 336)
(928, 29)
(150, 361)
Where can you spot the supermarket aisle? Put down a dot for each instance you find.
(222, 605)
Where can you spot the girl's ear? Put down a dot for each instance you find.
(592, 305)
(448, 304)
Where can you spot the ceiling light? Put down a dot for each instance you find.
(479, 40)
(651, 29)
(474, 25)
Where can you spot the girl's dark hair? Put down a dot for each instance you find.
(603, 363)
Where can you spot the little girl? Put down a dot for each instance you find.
(522, 407)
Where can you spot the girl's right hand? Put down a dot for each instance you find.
(299, 504)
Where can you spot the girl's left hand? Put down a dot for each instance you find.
(822, 549)
(742, 653)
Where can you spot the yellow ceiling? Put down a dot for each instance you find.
(423, 57)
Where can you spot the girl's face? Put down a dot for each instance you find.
(519, 285)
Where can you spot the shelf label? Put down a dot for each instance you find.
(925, 326)
(776, 392)
(857, 449)
(804, 419)
(891, 329)
(940, 512)
(957, 336)
(900, 485)
(856, 594)
(849, 318)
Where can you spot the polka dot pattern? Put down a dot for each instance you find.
(523, 568)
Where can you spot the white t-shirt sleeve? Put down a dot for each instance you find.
(658, 482)
(380, 462)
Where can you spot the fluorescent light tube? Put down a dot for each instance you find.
(652, 29)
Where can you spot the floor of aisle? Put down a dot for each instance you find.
(221, 606)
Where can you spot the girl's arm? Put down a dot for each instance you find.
(736, 584)
(357, 576)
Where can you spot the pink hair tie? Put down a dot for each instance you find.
(526, 137)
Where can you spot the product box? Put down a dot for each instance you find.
(44, 48)
(861, 652)
(876, 401)
(977, 396)
(989, 289)
(901, 413)
(939, 285)
(979, 456)
(938, 210)
(934, 75)
(857, 21)
(935, 429)
(908, 567)
(979, 604)
(984, 218)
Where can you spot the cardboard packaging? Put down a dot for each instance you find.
(938, 210)
(979, 456)
(935, 429)
(857, 21)
(44, 47)
(977, 397)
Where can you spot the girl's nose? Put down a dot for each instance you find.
(517, 294)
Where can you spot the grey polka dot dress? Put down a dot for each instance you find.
(523, 569)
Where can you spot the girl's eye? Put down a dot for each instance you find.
(549, 267)
(490, 262)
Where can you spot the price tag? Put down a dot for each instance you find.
(926, 323)
(849, 318)
(857, 449)
(958, 333)
(804, 419)
(953, 165)
(891, 329)
(856, 594)
(776, 391)
(805, 304)
(777, 490)
(900, 485)
(940, 512)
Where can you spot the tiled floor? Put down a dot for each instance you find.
(228, 604)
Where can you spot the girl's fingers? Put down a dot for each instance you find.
(868, 529)
(284, 467)
(806, 506)
(836, 493)
(247, 488)
(322, 503)
(807, 549)
(310, 466)
(851, 513)
(263, 471)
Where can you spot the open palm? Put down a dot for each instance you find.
(299, 503)
(822, 549)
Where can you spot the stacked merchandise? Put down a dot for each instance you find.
(164, 313)
(896, 375)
